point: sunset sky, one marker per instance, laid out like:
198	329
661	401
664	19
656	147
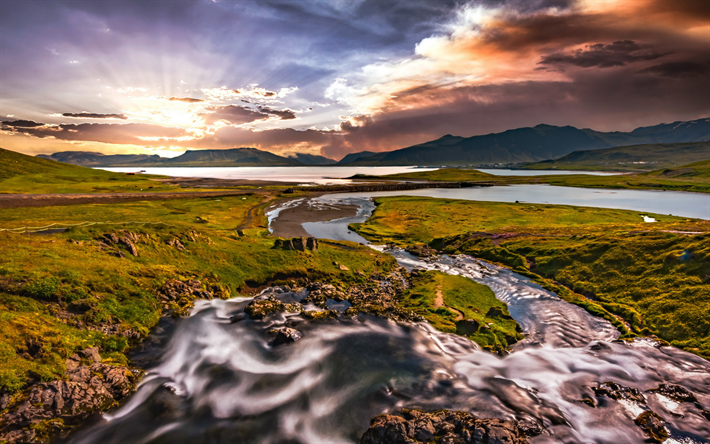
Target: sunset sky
337	76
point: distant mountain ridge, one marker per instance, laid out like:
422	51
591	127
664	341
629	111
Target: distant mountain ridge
541	142
312	159
644	157
192	158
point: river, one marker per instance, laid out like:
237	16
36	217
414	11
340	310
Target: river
219	380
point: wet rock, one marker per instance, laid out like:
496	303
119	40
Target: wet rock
421	250
530	427
177	244
706	414
284	335
325	314
442	426
675	392
652	425
617	392
264	306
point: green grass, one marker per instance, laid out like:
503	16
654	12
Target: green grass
408	219
654	157
493	329
43	276
694	177
657	281
27	174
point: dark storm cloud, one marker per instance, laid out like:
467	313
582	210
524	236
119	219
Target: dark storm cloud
130	133
678	69
285	114
94	116
185	100
22	123
618	53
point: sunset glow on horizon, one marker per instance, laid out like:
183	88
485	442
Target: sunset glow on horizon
334	77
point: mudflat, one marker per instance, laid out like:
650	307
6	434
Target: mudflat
290	220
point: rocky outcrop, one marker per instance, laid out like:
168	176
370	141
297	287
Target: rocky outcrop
264	305
652	425
443	426
676	393
177	244
298	244
123	238
174	290
91	386
284	335
421	250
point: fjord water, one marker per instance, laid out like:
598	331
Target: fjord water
317	174
219	379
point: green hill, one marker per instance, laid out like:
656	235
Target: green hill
694	171
630	158
235	157
27	174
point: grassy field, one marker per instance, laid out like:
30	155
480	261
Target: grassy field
635	158
694	177
656	279
26	174
451	303
45	277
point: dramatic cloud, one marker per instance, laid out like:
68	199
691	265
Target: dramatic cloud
95	116
185	100
341	76
618	53
678	69
285	114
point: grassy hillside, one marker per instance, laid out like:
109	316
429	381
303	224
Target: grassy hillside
64	292
27	174
685	178
652	276
636	158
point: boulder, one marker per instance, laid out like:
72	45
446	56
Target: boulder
297	243
284	335
263	306
617	392
675	392
442	426
652	425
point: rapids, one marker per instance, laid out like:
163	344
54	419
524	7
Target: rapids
218	379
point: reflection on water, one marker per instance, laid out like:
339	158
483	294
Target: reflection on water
306	174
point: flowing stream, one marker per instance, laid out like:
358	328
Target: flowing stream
219	379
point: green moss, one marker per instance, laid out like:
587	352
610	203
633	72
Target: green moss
455	304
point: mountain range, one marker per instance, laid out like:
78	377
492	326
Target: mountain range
521	145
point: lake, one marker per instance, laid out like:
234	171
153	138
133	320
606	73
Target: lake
694	205
315	174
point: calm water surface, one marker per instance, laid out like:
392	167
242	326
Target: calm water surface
505	172
306	174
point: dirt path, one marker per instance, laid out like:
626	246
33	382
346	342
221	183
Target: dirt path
49	200
439	302
252	212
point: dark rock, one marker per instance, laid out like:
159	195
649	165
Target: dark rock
297	243
706	414
530	427
421	250
174	290
675	392
652	425
284	335
616	391
442	426
497	313
264	306
467	327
